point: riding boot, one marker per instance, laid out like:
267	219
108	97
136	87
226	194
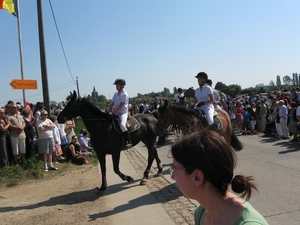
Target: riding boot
128	143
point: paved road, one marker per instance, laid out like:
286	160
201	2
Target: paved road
275	165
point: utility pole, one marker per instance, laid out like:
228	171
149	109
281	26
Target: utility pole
43	57
77	87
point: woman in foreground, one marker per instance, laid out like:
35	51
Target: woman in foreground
203	165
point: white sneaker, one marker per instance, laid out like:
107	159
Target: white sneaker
52	168
61	158
46	169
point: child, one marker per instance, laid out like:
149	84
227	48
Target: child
56	136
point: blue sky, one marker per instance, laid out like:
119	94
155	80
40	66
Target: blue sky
152	44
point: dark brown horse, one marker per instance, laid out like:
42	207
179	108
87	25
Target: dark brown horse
189	121
106	139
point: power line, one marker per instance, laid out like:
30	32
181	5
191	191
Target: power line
61	44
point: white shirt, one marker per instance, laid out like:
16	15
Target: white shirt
122	97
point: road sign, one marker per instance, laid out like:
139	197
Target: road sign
23	84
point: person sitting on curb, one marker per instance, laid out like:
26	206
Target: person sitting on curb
74	153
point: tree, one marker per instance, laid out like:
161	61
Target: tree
295	79
166	91
272	83
220	86
234	89
278	81
101	98
287	80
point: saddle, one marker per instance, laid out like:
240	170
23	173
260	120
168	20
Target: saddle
218	125
131	124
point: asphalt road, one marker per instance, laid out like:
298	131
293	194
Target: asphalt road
275	165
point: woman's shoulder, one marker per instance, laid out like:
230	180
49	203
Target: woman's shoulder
250	215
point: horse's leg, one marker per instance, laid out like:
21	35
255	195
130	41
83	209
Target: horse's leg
101	158
158	162
152	154
116	161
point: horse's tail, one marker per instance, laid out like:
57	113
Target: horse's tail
235	142
162	139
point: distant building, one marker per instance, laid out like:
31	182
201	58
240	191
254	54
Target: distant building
94	93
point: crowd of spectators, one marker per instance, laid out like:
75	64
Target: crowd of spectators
26	131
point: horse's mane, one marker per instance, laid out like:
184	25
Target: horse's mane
183	109
94	109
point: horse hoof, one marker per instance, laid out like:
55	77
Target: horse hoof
143	182
103	188
159	175
130	179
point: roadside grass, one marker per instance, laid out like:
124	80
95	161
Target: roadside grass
33	168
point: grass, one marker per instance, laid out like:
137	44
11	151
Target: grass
33	168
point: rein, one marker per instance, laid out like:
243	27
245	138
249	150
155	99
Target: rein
165	122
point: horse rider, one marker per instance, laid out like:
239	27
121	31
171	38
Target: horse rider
204	98
119	107
179	97
216	95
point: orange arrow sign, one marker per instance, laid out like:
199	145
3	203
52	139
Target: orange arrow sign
23	84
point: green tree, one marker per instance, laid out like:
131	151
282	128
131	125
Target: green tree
220	86
234	89
287	80
278	81
272	83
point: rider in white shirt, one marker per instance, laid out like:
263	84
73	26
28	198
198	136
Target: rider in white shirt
204	98
119	106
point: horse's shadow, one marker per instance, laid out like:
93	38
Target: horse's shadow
142	201
71	198
94	194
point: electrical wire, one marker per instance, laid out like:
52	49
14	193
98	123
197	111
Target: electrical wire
61	44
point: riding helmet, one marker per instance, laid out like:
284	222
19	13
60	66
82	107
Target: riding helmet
201	75
120	81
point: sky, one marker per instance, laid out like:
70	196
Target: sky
153	45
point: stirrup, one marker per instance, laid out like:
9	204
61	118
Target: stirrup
128	145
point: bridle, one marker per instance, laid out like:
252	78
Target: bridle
162	126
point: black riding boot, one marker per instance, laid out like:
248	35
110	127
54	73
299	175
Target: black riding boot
128	143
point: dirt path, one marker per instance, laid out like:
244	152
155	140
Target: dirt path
64	199
72	197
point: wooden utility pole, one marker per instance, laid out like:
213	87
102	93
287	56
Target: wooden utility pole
43	57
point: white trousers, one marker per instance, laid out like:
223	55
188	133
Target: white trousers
209	112
123	119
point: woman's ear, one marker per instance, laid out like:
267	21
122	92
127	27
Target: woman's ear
198	177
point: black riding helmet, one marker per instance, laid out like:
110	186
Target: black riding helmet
202	75
120	81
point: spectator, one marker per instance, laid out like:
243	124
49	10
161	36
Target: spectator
203	168
239	117
84	143
4	125
283	113
292	121
29	131
57	154
61	127
69	129
16	133
263	116
252	115
44	128
74	153
277	120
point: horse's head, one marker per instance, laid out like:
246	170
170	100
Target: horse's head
70	111
164	119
